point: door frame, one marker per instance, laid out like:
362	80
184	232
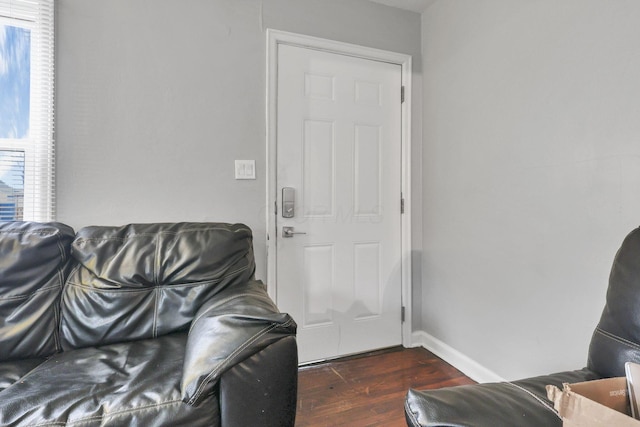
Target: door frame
276	38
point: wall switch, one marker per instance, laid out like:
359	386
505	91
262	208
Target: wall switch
245	169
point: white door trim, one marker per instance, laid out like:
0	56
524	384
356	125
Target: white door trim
274	39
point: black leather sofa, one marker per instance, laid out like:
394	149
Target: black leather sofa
140	325
524	403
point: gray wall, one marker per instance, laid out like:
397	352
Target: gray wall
531	165
156	98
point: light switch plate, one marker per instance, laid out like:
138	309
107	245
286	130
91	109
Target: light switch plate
245	169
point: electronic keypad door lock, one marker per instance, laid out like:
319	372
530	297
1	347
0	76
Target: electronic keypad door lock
288	202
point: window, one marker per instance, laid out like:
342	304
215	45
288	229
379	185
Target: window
26	110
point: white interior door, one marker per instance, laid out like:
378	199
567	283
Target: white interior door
339	154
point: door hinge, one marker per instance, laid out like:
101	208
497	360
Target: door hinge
402	205
401	94
402	314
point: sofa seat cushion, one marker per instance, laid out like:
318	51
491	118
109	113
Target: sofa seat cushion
136	383
520	403
13	370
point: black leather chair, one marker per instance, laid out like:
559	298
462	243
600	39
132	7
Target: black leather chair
524	403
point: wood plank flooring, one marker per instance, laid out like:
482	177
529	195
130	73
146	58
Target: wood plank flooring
369	390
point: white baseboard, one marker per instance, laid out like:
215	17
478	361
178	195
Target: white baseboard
460	361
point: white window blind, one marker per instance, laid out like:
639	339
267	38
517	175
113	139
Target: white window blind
27	110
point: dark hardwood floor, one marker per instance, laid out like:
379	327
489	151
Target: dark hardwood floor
369	390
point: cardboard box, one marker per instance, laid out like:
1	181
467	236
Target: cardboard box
593	403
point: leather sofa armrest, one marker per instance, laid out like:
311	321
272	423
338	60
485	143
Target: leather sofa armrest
233	325
521	403
262	390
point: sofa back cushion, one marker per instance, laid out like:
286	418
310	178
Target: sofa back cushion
616	339
34	260
144	280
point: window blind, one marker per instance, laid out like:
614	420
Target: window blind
27	168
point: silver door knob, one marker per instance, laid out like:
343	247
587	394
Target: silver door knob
288	232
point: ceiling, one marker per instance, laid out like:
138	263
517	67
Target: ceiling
413	5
